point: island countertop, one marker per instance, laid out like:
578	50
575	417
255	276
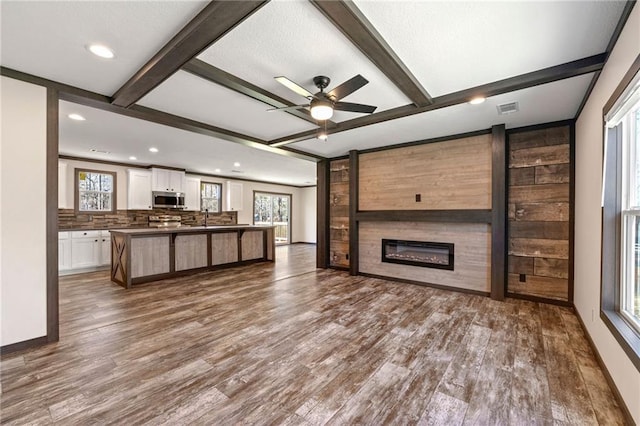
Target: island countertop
188	229
141	255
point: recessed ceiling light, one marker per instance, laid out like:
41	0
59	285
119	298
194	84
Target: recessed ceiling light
477	101
153	149
236	164
132	158
217	170
101	50
76	117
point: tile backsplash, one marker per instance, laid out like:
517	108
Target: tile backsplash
68	219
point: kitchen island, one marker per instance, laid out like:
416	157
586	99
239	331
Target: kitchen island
148	254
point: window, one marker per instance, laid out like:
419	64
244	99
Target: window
273	209
630	274
95	191
210	196
620	300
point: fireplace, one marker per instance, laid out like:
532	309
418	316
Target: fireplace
418	253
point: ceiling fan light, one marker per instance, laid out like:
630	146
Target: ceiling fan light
321	110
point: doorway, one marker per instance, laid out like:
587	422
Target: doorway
273	209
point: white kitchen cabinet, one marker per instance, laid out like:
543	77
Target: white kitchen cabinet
138	189
105	248
234	196
192	193
85	249
168	180
64	251
63	202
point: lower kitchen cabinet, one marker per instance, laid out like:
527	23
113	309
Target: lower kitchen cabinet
80	250
64	251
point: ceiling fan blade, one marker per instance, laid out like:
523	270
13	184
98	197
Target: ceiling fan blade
347	88
294	86
351	107
289	108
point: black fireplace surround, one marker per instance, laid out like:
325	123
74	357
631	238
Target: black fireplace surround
418	253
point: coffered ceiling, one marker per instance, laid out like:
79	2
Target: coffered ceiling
197	78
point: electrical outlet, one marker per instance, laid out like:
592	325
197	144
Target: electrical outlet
418	198
523	278
347	256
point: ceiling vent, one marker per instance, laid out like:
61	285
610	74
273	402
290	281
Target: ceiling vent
508	108
237	171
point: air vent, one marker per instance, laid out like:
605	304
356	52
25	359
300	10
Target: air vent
99	151
508	108
237	171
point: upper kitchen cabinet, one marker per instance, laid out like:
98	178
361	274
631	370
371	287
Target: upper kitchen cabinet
63	199
139	189
192	193
168	180
234	196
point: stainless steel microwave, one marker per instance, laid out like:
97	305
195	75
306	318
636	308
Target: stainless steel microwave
168	200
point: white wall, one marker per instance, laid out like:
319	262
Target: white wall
589	146
303	215
23	245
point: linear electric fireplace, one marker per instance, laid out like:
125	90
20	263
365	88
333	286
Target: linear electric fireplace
418	253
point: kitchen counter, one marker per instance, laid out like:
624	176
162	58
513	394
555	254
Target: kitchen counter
141	255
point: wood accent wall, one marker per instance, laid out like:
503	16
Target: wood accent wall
472	263
539	212
339	213
448	175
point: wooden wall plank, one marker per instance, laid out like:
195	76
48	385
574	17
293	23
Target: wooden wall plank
552	173
551	288
541	137
546	230
533	247
448	175
552	193
557	268
520	265
554	154
522	176
554	212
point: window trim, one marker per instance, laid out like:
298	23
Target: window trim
290	224
610	286
219	199
76	183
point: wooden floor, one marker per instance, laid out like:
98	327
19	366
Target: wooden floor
293	345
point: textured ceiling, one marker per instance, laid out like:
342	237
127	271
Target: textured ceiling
447	46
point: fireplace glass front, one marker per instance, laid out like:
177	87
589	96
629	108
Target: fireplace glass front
418	253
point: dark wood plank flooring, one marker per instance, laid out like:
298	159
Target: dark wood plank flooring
289	344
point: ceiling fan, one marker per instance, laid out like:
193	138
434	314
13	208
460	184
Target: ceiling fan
323	104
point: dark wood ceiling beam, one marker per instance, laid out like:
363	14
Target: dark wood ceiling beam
214	21
547	75
357	28
216	75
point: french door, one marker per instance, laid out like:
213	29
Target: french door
273	209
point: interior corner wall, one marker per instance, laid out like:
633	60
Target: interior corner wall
23	245
589	148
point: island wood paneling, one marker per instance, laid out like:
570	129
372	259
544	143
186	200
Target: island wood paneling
151	256
539	212
472	245
449	175
224	248
252	245
339	213
190	251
